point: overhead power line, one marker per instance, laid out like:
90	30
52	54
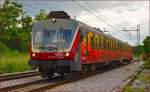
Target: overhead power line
31	8
94	15
117	11
95	10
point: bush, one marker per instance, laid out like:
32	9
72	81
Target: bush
3	48
14	62
147	63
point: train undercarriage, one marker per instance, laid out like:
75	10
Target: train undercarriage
49	68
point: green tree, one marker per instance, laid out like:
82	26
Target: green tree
138	50
9	21
41	16
15	26
26	23
146	46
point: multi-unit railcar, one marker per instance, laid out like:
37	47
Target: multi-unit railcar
60	44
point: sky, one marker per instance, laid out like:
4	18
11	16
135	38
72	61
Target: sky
112	16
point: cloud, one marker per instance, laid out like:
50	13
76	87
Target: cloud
134	12
134	15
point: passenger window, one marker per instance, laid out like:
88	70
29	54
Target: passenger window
90	40
106	43
100	41
96	41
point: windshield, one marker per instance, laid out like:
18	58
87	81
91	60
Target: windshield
53	40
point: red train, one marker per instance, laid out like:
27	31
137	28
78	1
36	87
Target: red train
61	45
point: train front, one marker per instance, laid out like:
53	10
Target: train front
52	44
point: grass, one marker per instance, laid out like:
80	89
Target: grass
130	89
14	62
142	79
147	64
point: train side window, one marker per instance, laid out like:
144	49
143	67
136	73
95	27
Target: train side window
113	45
96	42
104	43
109	44
117	46
100	42
91	40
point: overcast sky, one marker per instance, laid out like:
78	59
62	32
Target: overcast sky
118	14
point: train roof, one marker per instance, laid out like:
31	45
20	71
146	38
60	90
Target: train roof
88	28
97	30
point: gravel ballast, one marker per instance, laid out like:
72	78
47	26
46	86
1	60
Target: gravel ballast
109	81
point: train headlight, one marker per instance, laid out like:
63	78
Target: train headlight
53	20
67	54
33	54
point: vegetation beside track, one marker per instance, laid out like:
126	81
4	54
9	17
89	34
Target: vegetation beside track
15	28
14	62
147	63
142	82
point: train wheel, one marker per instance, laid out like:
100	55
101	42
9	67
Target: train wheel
93	67
49	75
63	75
84	69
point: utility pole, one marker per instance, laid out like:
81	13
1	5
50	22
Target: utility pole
105	30
74	17
138	33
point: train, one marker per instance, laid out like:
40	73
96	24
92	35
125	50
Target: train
62	45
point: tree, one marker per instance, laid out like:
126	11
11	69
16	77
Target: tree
41	16
15	26
26	23
138	50
146	46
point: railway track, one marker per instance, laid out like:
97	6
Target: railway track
18	75
43	84
132	79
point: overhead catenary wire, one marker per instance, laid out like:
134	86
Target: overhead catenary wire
84	1
105	18
95	15
31	8
98	12
117	11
